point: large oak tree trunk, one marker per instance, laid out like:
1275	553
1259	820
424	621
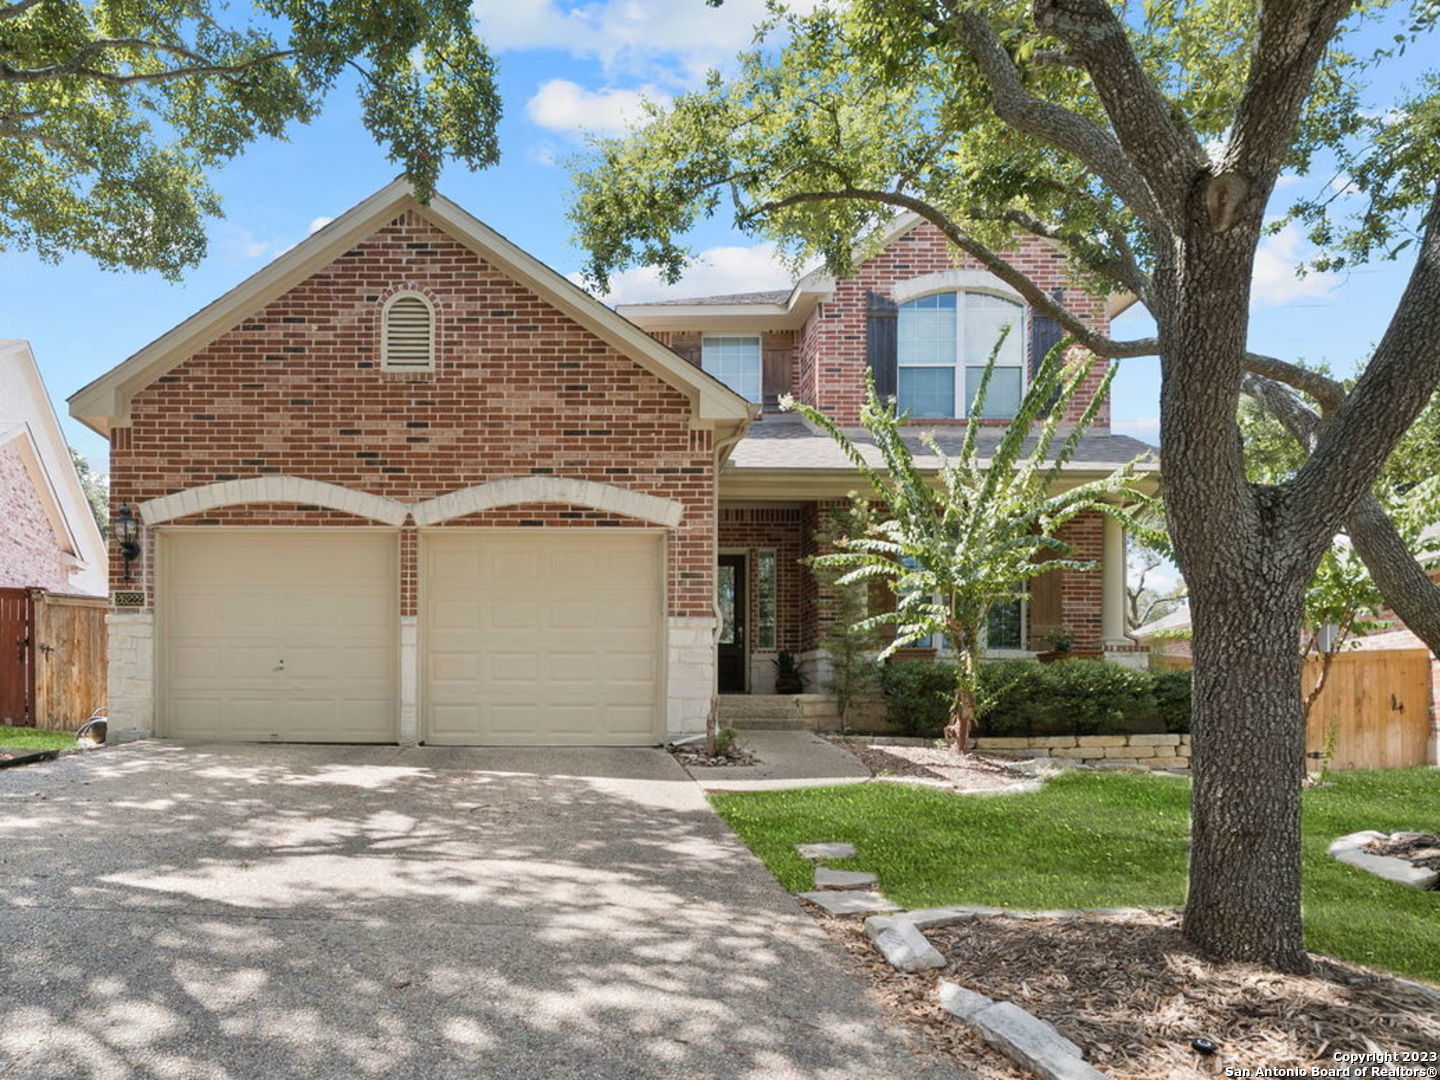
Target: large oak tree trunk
1248	742
1247	568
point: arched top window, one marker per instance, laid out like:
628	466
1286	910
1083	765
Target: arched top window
944	341
407	336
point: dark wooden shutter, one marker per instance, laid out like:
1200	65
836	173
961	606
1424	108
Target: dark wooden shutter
1045	333
880	349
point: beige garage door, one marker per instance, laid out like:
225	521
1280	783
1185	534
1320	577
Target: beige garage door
279	634
543	637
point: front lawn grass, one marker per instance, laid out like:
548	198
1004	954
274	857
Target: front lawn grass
29	738
1101	840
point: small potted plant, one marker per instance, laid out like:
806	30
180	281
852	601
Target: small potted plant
789	679
1060	645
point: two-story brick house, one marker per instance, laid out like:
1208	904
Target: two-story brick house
409	484
924	325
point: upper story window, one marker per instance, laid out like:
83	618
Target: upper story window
735	361
943	343
407	336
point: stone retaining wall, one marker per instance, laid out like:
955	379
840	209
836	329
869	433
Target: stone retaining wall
1147	751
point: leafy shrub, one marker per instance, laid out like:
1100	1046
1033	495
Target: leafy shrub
1023	698
918	695
1172	700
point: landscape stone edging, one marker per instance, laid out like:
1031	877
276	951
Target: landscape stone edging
1024	1038
1350	849
1145	751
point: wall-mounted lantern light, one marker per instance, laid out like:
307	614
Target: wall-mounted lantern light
127	531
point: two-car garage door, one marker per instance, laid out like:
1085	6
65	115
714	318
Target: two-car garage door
540	637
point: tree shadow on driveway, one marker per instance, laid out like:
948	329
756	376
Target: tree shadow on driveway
302	911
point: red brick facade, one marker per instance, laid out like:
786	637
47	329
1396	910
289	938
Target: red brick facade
30	553
519	389
831	365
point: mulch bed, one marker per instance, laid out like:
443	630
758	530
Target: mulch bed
1133	994
1421	849
933	763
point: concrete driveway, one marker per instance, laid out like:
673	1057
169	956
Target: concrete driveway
221	912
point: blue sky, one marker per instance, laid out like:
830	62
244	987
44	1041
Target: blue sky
563	68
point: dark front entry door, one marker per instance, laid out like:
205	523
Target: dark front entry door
730	593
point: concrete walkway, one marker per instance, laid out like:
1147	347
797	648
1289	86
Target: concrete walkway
787	759
237	912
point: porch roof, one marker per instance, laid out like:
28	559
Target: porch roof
788	443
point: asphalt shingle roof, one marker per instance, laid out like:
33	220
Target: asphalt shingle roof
787	442
772	296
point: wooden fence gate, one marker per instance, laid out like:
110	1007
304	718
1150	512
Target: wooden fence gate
52	658
1375	706
16	615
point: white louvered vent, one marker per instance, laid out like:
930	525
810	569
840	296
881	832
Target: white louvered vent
409	334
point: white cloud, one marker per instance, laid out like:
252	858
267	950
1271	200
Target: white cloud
561	105
685	37
244	244
317	224
1145	428
716	271
1275	281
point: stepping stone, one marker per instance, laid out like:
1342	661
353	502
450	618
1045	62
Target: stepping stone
826	878
1031	1043
826	851
850	901
960	1002
908	949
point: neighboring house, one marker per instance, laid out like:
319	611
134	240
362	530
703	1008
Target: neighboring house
407	483
48	536
1168	636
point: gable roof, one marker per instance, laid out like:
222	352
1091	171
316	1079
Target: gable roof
28	422
105	403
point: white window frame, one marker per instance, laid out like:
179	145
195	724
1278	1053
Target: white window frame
386	364
759	360
760	554
960	410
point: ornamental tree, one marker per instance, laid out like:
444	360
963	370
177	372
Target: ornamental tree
1147	142
950	550
111	113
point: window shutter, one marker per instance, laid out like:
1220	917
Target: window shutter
1045	334
880	343
409	334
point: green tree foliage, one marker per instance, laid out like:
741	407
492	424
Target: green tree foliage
112	112
96	488
952	550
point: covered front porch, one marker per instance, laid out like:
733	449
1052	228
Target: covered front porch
771	603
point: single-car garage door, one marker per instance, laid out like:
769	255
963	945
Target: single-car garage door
546	636
279	634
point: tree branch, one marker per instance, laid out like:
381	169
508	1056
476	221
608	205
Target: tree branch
1291	41
78	65
1077	135
1396	385
1120	265
14	11
54	142
1033	295
1397	574
1163	149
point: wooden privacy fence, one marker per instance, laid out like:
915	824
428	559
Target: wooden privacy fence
54	659
1376	706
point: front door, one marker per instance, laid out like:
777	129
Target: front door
730	595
